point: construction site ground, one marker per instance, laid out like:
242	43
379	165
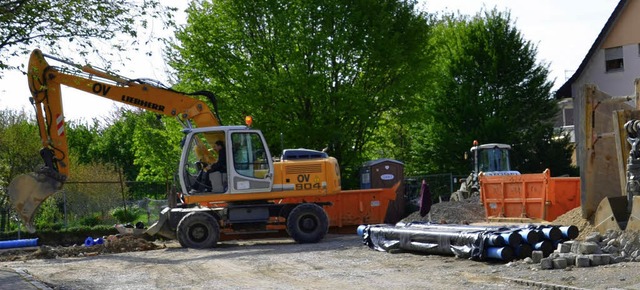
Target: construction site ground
340	261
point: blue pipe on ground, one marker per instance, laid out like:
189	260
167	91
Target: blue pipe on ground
19	243
500	253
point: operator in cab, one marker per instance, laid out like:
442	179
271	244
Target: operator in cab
211	177
218	170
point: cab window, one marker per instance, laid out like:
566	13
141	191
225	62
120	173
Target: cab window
249	155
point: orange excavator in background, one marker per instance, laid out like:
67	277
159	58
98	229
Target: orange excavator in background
256	194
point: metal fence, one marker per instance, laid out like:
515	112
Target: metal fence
91	203
440	185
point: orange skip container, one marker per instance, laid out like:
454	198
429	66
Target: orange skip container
533	196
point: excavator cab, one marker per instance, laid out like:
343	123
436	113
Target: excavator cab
247	168
490	159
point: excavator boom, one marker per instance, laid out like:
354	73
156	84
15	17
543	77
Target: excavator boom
28	191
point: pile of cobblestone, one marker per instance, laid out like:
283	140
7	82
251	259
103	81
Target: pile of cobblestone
594	250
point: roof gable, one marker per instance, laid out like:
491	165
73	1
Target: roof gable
565	90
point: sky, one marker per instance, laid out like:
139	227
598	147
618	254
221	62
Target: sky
562	30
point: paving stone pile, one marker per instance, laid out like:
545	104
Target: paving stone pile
594	250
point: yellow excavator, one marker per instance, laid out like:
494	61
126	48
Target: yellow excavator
255	194
608	158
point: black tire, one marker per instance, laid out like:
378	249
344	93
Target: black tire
199	230
307	223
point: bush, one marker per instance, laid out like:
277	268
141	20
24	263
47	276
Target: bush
129	215
90	221
48	215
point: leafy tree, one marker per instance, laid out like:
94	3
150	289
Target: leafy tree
140	146
85	24
115	143
491	89
157	147
314	74
81	138
19	146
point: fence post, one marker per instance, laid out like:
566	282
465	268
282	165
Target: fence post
451	180
124	201
64	206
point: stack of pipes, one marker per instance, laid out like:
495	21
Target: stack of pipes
503	243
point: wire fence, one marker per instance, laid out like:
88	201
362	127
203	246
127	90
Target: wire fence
91	203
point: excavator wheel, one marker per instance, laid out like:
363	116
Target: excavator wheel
198	230
307	223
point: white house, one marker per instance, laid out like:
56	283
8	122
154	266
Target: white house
612	63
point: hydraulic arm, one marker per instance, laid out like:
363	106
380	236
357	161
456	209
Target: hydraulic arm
29	190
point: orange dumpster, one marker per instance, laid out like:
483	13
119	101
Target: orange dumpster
532	196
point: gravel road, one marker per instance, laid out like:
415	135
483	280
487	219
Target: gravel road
337	262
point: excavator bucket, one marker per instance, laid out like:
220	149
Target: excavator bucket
613	214
634	216
28	191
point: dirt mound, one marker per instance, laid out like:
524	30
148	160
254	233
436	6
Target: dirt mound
472	211
112	244
452	212
574	218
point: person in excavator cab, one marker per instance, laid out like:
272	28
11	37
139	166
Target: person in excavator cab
211	177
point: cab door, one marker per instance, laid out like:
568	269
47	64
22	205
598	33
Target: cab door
250	168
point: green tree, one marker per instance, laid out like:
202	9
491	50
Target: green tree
19	145
81	138
314	74
491	88
140	146
85	24
96	198
157	147
114	145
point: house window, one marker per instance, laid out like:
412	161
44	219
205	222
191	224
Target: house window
613	59
567	116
